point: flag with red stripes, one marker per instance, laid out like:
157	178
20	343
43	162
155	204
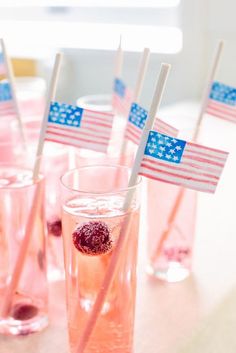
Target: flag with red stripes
2	65
182	163
122	97
136	122
222	102
7	106
75	126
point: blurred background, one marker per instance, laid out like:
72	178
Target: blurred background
181	32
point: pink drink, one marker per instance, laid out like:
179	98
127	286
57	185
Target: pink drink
28	311
170	245
86	264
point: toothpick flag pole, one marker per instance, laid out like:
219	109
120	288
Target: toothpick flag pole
180	196
119	60
141	74
11	79
20	261
112	267
207	90
50	97
138	87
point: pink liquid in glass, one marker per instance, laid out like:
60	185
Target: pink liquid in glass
28	311
85	272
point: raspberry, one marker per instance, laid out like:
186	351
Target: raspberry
92	238
54	227
24	311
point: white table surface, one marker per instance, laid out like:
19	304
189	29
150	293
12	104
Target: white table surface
197	315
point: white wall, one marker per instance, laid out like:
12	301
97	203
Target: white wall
91	71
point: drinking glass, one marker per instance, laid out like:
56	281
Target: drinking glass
27	308
92	221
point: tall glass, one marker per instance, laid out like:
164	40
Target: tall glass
27	311
92	218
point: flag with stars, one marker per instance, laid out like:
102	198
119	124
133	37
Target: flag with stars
122	97
222	102
2	65
7	106
75	126
182	163
136	122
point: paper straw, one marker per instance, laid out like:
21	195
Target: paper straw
50	97
109	275
11	79
20	261
180	195
138	88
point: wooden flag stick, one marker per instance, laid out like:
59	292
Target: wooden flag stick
181	193
138	88
116	253
207	90
20	261
50	97
119	60
11	79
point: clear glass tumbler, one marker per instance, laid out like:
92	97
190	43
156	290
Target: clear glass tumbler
92	220
22	212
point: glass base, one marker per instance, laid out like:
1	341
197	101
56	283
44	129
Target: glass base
11	326
175	272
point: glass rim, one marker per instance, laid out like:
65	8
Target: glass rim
119	190
40	179
101	102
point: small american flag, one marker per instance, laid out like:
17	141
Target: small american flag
2	65
122	97
222	102
181	163
6	102
136	122
75	126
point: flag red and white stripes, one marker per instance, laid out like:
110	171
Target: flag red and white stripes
134	133
79	127
200	167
